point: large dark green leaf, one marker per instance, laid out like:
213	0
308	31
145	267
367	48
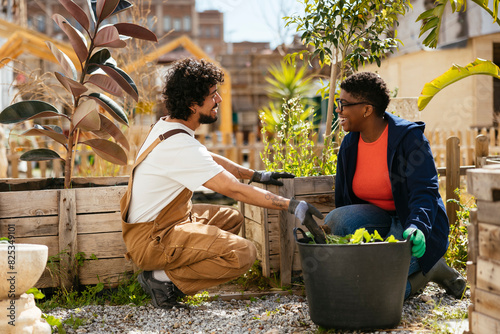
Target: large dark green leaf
100	57
136	31
25	110
455	73
77	12
40	154
108	150
110	106
122	79
39	130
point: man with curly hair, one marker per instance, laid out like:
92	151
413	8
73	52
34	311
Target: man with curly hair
184	248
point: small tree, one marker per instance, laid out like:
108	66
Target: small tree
88	124
346	34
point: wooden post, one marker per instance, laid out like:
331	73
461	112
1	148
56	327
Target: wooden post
251	151
452	176
482	150
287	245
239	148
67	237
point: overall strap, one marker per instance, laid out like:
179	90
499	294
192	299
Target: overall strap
125	201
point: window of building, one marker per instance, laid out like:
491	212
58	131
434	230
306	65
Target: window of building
187	23
209	48
167	23
40	22
208	32
216	31
177	24
151	22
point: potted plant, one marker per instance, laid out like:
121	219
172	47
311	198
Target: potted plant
72	220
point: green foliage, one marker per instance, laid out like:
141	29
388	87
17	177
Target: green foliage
253	277
53	321
37	294
285	83
456	256
360	236
88	124
455	73
197	299
352	32
293	149
431	23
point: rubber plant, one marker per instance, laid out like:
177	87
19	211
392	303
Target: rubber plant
88	119
431	23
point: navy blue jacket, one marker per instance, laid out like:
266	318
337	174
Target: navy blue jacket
414	183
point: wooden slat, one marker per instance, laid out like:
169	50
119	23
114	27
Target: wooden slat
31	226
488	212
29	203
99	223
287	244
483	183
482	324
487	303
67	236
471	278
254	212
105	199
488	275
254	234
109	271
473	247
102	245
489	241
47	281
313	185
323	202
52	242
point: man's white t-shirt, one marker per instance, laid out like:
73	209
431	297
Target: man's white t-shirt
177	163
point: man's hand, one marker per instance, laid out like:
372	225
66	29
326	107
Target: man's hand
270	177
418	239
304	212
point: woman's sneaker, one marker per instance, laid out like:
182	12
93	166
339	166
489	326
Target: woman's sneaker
163	294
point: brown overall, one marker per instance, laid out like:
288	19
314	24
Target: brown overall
196	245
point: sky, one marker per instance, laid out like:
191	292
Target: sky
254	20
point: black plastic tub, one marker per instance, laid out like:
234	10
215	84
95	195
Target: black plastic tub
355	286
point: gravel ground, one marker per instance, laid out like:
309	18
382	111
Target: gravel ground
429	312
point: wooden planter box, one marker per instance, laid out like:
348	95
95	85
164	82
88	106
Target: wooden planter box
483	265
272	230
83	219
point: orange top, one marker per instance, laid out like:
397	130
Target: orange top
371	180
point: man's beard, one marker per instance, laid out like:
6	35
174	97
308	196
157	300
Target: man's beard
208	119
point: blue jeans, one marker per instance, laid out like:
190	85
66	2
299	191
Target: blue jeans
347	219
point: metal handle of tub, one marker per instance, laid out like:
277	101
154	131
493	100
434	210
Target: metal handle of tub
305	237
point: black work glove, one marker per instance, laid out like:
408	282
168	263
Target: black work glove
304	212
270	177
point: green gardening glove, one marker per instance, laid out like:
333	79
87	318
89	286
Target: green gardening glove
418	239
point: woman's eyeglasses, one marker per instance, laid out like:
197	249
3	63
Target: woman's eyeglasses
341	104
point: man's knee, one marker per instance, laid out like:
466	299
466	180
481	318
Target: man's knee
246	253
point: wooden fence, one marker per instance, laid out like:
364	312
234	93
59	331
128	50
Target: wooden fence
247	152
